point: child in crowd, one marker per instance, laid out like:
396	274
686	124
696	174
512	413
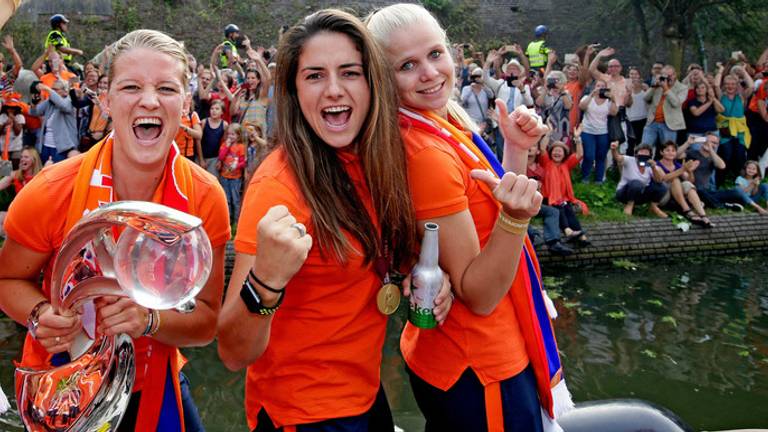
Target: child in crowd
231	164
749	184
214	129
557	162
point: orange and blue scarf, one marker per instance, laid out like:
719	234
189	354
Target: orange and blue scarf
532	307
160	404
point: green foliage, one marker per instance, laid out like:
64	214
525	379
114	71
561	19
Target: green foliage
625	264
458	18
735	25
669	320
617	315
655	302
649	353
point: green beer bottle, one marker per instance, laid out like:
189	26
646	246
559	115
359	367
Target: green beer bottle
426	280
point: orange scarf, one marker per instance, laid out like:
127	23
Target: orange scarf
93	188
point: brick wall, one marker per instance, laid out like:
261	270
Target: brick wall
655	239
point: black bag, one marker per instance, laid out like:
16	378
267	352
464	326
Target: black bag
615	133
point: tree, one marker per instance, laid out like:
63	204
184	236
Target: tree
679	16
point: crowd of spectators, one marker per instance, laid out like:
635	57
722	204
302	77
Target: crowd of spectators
680	141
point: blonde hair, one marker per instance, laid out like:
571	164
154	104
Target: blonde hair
153	40
391	19
559	75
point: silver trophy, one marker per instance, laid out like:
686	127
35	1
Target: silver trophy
161	260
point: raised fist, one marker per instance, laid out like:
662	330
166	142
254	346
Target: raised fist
521	129
283	246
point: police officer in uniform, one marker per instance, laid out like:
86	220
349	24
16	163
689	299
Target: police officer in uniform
229	54
58	38
537	50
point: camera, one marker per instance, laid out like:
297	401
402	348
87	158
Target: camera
465	46
604	93
663	78
511	79
551	83
643	160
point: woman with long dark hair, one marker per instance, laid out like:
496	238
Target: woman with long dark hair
326	220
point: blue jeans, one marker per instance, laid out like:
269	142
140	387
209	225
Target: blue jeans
462	407
551	217
192	421
595	151
50	152
715	198
656	134
734	154
747	199
232	189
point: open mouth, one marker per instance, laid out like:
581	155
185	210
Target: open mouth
337	117
147	128
432	90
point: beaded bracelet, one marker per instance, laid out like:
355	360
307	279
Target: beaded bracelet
512	225
150	322
156	322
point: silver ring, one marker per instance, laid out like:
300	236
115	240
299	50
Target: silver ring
300	228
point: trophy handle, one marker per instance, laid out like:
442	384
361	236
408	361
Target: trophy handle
92	391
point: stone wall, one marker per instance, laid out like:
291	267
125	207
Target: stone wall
658	239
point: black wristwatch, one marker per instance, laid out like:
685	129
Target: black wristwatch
33	321
252	299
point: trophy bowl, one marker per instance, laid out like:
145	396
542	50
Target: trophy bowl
161	260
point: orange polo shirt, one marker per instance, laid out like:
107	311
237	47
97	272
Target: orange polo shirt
326	340
37	216
492	345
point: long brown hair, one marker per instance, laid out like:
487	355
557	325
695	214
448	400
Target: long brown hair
325	184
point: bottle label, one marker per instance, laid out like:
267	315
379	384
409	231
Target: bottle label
421	317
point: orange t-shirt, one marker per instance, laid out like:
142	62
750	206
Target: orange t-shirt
184	140
232	160
492	345
50	79
659	114
760	95
575	89
37	216
325	346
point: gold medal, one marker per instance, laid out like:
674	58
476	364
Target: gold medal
388	298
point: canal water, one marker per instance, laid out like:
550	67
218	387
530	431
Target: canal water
691	336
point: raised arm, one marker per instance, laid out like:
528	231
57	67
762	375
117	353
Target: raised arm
615	153
596	74
17	62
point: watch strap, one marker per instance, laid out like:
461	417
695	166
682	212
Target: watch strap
252	300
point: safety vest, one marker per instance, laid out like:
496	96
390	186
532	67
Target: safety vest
64	42
223	60
537	54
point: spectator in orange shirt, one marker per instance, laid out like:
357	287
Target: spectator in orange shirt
137	162
304	318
